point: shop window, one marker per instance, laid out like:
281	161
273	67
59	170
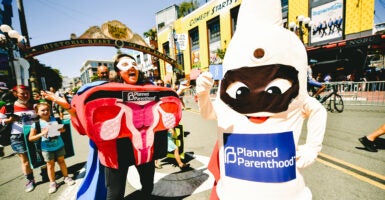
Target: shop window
166	48
214	30
180	59
234	19
194	38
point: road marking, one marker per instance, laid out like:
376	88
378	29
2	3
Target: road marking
360	173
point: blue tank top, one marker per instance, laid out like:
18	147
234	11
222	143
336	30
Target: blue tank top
52	143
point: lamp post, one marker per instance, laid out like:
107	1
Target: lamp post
304	24
8	41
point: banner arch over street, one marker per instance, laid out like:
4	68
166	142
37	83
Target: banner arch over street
74	43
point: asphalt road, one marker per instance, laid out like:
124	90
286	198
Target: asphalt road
342	171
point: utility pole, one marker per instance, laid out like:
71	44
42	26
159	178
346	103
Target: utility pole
23	22
24	31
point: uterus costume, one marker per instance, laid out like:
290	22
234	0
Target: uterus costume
113	110
261	105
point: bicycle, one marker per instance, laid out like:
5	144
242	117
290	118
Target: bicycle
332	100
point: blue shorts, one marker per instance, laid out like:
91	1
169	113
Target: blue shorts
18	143
314	83
51	155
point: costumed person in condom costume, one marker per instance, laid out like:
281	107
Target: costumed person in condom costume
260	107
123	121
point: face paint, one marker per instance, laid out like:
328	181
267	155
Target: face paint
126	63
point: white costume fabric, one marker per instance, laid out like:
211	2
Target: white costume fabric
261	105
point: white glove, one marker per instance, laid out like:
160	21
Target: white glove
204	82
306	156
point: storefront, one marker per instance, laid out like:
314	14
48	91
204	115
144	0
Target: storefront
347	56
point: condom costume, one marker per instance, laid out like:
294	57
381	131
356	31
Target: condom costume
110	111
260	107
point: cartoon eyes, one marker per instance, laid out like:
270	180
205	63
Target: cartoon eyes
237	90
278	86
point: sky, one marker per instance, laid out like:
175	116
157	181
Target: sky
55	20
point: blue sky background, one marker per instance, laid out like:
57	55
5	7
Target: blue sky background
54	20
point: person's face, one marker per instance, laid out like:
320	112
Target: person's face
160	83
36	96
22	94
43	111
128	70
103	72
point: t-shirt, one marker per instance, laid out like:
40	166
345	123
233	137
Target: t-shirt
52	143
27	116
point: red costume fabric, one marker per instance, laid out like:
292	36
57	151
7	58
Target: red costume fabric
114	110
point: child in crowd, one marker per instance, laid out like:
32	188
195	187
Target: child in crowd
52	145
171	147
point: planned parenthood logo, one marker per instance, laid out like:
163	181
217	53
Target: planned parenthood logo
140	96
260	157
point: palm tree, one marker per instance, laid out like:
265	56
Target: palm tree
152	34
187	7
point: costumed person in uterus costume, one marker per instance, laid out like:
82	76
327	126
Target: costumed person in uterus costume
123	120
261	105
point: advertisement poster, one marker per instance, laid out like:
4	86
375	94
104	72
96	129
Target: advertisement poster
196	62
214	58
327	22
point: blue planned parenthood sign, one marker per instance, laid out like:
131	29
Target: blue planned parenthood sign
268	158
216	71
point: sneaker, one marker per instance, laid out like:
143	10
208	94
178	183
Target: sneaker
30	186
184	166
52	187
369	145
69	180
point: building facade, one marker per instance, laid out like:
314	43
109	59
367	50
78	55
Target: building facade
14	69
90	67
199	40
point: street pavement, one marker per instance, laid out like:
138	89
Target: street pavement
342	171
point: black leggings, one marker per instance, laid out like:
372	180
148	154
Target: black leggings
116	178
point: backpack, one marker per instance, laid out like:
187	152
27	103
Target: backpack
5	131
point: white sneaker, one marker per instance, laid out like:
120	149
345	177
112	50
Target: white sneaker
69	180
30	186
52	187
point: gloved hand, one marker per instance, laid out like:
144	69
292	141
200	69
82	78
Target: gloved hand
204	82
305	156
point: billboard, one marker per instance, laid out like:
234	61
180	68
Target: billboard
327	22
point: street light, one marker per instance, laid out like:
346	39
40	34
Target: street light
8	41
304	24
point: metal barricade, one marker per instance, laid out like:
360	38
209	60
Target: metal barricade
362	93
353	93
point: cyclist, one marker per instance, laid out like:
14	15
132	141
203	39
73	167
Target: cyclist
314	83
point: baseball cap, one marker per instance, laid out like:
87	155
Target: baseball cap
3	86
